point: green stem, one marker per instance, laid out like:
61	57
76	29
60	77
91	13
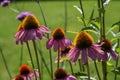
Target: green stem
21	55
27	44
5	64
50	52
71	67
37	59
88	70
43	59
97	70
104	67
80	65
58	57
65	16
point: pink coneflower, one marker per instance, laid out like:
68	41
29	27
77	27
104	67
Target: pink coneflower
19	77
84	45
107	48
22	15
5	3
63	53
58	40
30	29
61	74
26	73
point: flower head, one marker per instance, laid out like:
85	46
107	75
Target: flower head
63	53
5	3
19	77
107	48
61	74
22	15
30	29
58	40
84	45
25	70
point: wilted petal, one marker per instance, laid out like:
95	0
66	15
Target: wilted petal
55	44
105	56
49	43
84	56
61	42
67	42
113	54
73	54
92	54
44	29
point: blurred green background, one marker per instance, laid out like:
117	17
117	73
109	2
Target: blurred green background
54	14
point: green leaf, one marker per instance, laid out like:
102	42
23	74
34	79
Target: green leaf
91	17
64	58
91	29
109	64
112	28
78	8
78	74
117	50
106	3
81	20
96	24
116	70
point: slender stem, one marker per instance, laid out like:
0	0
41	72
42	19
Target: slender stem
6	65
88	70
27	44
58	57
116	65
71	67
104	67
97	70
21	55
81	6
50	52
80	66
37	59
83	15
43	59
65	16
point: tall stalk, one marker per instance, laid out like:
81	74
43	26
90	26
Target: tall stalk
116	65
27	44
102	33
66	16
6	66
50	52
37	58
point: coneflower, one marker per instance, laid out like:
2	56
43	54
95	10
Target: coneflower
84	45
107	48
58	40
30	29
5	3
61	74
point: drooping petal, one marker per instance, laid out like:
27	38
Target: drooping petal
55	44
39	34
73	55
70	77
67	42
49	43
92	54
44	29
61	43
84	56
113	54
105	56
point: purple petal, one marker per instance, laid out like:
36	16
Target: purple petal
73	54
44	29
105	56
49	43
61	43
67	42
39	34
84	56
113	54
91	54
55	44
70	77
